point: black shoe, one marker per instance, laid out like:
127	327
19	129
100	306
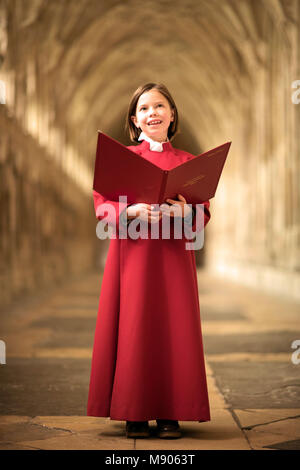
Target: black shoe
168	429
137	429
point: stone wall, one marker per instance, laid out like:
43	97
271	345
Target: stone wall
46	221
70	69
257	236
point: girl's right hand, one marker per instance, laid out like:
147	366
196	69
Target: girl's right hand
144	212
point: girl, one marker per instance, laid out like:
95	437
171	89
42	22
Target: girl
148	361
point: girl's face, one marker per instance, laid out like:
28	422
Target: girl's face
153	115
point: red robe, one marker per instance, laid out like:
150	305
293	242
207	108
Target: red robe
148	360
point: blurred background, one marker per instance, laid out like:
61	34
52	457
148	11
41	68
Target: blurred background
68	68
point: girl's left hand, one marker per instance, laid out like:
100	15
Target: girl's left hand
178	208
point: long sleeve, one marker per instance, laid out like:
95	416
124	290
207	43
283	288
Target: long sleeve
111	211
190	218
123	219
207	215
191	221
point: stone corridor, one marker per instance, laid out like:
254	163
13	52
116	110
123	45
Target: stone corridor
253	381
68	69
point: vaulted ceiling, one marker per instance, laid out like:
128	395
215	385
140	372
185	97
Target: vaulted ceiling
80	61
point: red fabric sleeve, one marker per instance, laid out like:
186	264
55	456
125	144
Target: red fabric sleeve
198	208
198	211
111	216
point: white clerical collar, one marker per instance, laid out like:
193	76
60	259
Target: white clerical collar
155	146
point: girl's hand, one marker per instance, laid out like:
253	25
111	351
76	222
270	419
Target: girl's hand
144	212
179	208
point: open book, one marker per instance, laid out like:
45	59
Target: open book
119	171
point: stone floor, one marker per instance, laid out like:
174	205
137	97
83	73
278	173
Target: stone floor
254	386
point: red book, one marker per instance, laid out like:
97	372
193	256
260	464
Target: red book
119	171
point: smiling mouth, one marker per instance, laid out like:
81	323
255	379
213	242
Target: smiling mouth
154	123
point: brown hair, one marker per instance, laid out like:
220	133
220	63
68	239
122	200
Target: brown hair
130	127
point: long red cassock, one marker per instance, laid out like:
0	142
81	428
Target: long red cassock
148	360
